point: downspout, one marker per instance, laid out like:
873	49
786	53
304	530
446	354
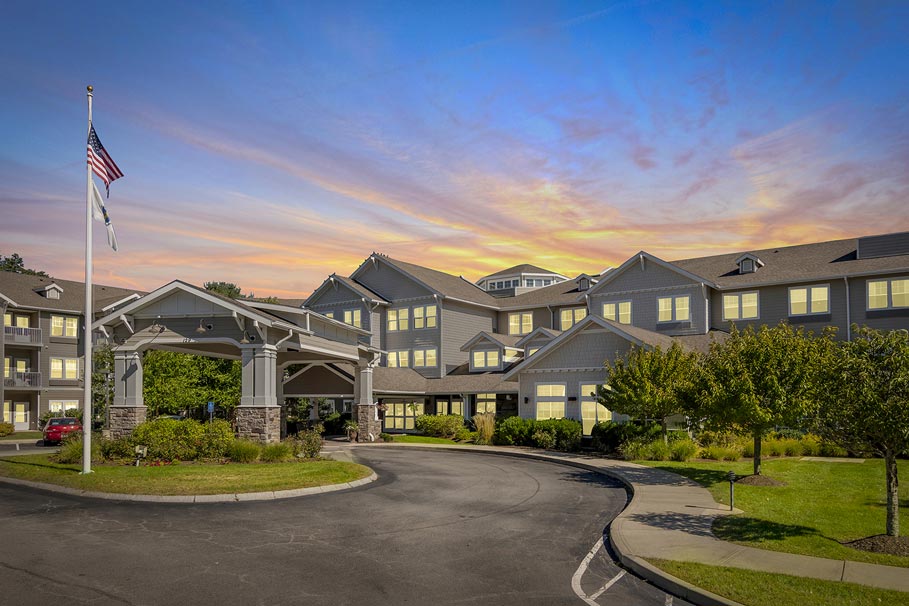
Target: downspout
706	308
441	358
3	308
848	311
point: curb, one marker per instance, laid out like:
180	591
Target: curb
639	566
202	498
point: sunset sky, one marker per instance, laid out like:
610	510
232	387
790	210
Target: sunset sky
272	143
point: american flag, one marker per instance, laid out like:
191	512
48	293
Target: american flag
102	164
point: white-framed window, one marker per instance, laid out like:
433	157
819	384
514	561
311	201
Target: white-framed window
741	306
618	312
401	415
520	323
570	317
64	368
807	300
23	321
64	326
425	358
486	402
61	406
352	317
486	359
592	412
674	309
330	315
399	359
550	400
425	316
7	319
889	293
398	319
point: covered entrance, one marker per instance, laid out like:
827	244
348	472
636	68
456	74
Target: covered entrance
16	413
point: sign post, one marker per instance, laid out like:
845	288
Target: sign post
211	411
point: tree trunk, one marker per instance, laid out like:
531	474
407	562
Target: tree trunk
757	454
665	431
893	503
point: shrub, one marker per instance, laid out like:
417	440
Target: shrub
682	450
638	449
115	450
513	431
217	436
6	429
169	439
440	426
747	449
811	445
277	452
334	423
827	449
717	438
521	432
486	427
773	448
244	451
71	448
464	435
567	433
721	453
310	443
792	448
543	439
387	437
608	436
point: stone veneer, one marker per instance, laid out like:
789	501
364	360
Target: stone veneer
260	424
123	419
368	423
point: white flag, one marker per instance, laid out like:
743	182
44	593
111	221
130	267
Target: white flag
100	214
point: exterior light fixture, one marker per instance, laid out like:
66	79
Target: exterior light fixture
247	338
203	328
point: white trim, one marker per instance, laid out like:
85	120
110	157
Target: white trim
642	256
808	313
131	297
618	313
125	319
674	309
739	295
890	305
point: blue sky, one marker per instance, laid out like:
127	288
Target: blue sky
270	144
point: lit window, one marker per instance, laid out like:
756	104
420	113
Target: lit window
592	412
352	317
425	316
570	317
401	415
22	322
742	306
888	294
62	326
61	406
424	358
618	312
486	359
330	315
486	403
532	351
520	323
673	309
398	359
550	400
7	319
807	300
64	368
398	319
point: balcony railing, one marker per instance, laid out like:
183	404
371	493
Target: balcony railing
23	379
15	334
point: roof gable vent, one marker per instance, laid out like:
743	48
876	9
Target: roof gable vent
51	291
887	245
748	263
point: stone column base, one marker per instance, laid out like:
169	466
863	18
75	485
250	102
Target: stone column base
259	423
124	419
369	424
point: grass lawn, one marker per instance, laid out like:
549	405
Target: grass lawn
23	435
184	479
821	505
754	588
410	439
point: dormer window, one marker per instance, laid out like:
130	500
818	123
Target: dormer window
748	264
51	291
584	284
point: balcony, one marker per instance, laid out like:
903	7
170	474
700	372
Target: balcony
22	379
22	336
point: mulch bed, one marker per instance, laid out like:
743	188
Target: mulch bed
759	481
882	543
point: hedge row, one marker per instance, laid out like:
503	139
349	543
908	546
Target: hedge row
558	434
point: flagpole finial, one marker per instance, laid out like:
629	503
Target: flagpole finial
89	88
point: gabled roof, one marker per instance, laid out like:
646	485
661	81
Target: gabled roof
524	268
334	280
537	333
23	290
640	257
510	341
554	295
407	381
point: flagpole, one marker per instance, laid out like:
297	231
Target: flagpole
87	337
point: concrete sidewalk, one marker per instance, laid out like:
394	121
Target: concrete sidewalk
670	517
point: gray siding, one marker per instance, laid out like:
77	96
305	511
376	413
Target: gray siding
461	323
890	319
541	318
317	380
635	278
572	380
416	338
389	282
644	310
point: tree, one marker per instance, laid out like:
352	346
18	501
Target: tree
649	383
176	382
864	406
102	386
226	289
757	380
16	264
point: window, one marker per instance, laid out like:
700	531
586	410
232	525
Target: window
806	300
352	317
532	351
424	317
741	306
486	359
61	406
618	312
570	317
22	322
424	358
401	415
892	293
330	315
399	359
550	400
673	309
7	319
64	327
64	368
398	319
592	412
486	402
520	323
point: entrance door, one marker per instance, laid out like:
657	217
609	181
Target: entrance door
7	412
20	416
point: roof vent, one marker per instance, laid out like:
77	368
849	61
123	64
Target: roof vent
887	245
748	263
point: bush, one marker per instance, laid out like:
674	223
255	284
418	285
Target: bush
521	432
811	445
116	450
717	438
310	443
773	448
828	449
464	435
639	450
721	453
387	437
682	450
543	439
792	448
609	436
567	433
513	431
440	426
486	427
6	429
748	449
334	423
169	439
277	452
217	436
71	449
244	451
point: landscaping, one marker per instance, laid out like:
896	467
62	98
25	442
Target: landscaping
21	435
413	439
754	588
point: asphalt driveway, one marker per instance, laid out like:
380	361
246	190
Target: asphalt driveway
436	528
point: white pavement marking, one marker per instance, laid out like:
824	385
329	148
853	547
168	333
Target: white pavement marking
668	600
579	574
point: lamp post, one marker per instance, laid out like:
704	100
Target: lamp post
731	490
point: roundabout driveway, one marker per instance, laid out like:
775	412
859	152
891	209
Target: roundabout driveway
436	528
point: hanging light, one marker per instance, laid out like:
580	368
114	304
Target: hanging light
203	328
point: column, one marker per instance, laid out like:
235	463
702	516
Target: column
366	413
259	416
128	409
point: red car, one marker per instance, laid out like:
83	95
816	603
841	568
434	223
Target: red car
58	428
